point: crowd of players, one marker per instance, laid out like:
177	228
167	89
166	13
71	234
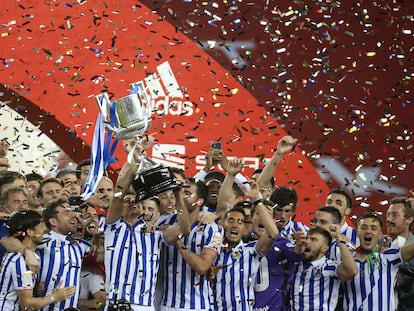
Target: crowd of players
218	242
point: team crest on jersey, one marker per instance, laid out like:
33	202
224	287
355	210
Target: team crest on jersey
235	254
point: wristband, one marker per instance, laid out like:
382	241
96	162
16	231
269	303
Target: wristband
257	202
52	299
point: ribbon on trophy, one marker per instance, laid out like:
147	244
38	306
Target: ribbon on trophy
129	117
102	149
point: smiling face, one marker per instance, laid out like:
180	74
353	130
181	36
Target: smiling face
64	221
369	233
167	202
234	227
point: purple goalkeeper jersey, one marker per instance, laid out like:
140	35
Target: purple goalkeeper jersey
271	288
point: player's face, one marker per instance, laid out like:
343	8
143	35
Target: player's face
369	233
151	212
213	187
64	221
104	194
315	247
322	220
32	189
167	202
50	191
234	227
283	215
131	208
91	220
397	223
71	183
17	202
339	201
190	198
37	233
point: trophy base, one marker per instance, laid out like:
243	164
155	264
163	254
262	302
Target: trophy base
154	181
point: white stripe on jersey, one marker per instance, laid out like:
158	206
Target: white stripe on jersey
14	275
350	233
183	287
61	260
131	262
233	284
316	286
287	231
373	287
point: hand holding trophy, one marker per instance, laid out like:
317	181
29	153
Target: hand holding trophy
129	119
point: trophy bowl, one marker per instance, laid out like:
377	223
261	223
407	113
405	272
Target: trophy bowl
132	117
154	181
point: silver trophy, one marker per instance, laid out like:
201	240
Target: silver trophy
133	115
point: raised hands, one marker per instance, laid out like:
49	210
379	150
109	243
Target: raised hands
285	145
234	166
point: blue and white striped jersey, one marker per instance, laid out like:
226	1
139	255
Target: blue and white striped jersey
373	287
131	262
14	276
183	287
350	233
315	286
234	282
61	260
288	230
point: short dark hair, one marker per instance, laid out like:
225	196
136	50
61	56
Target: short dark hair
66	172
47	181
178	171
5	194
325	234
235	209
79	166
20	222
373	216
34	176
333	211
345	194
8	177
214	175
50	209
283	196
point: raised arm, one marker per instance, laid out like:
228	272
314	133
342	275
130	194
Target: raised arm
266	240
173	233
348	268
284	146
125	178
223	201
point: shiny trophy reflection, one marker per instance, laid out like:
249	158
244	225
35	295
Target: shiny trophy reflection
133	119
